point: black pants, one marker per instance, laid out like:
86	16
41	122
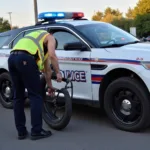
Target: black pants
25	74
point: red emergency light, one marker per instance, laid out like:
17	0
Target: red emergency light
78	15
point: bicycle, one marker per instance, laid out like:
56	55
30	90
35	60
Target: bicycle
49	116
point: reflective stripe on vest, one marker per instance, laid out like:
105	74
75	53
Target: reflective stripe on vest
36	41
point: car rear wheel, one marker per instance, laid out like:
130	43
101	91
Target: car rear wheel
127	104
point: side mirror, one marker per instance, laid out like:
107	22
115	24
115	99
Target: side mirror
75	46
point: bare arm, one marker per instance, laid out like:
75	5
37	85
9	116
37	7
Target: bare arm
50	42
51	50
48	72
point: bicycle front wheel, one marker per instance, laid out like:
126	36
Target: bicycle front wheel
57	111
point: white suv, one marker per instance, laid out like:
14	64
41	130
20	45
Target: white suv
109	67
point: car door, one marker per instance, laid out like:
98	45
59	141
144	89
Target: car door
74	62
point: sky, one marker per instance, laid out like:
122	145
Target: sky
23	10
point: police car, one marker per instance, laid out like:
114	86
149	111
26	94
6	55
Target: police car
109	67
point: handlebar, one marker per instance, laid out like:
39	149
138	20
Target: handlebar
54	77
67	80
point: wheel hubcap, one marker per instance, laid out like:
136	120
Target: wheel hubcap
7	91
126	106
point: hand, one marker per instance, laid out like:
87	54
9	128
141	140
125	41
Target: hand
51	91
59	77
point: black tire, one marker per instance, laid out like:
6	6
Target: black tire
59	124
8	104
47	117
137	95
6	98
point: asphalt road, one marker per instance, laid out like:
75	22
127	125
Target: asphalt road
87	131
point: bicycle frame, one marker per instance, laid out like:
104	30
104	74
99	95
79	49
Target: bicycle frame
53	77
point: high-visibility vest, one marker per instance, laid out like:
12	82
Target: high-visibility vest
33	43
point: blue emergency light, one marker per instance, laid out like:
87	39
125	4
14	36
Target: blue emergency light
60	15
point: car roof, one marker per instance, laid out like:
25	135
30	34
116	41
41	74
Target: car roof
61	23
16	31
81	22
67	23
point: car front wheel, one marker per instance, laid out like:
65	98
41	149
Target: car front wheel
6	92
127	104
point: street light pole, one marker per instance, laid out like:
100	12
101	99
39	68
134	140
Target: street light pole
35	11
10	19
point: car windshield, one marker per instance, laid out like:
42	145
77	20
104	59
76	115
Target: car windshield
3	39
103	34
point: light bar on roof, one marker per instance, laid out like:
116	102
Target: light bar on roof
60	15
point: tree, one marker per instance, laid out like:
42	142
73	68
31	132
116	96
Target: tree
107	11
142	23
142	7
138	17
4	25
108	16
111	14
117	13
123	23
97	16
15	27
129	13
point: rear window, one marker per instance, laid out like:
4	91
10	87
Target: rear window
3	39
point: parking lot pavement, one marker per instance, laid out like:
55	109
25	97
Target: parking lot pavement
86	131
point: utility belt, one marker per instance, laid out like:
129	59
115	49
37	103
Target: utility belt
17	52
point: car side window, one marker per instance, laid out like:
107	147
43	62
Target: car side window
29	31
17	39
3	40
64	37
20	36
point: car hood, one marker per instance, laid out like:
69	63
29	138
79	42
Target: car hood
137	47
131	52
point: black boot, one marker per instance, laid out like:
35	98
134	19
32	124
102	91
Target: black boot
23	135
42	134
